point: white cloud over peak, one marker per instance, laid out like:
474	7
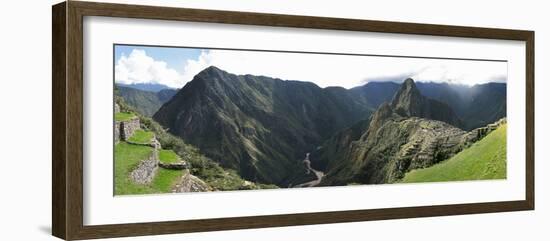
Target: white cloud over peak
322	69
139	68
346	70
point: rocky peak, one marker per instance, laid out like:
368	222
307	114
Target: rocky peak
212	68
210	72
409	83
408	101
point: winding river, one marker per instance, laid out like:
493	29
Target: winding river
318	174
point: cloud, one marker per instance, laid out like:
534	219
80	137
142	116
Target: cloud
345	70
462	71
139	68
390	78
322	69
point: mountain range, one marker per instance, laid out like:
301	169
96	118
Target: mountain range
146	102
412	131
263	127
151	87
476	105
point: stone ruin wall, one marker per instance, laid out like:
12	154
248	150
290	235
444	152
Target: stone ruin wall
125	129
117	131
478	133
147	169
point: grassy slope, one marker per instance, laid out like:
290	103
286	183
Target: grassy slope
127	157
141	136
165	180
122	116
485	159
145	102
168	156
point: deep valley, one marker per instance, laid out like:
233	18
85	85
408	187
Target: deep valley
254	132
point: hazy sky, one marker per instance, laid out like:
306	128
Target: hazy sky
176	66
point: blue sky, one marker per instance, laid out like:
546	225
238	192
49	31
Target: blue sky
174	57
174	67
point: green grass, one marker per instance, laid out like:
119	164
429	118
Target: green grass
123	116
485	159
168	156
165	180
128	157
141	136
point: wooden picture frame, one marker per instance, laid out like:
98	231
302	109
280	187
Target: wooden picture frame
67	150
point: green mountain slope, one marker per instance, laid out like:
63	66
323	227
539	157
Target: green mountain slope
488	104
485	159
145	102
260	126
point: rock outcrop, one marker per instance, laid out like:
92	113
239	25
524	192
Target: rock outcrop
190	183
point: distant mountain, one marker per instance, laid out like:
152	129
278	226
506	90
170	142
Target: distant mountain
146	87
262	127
476	106
166	94
145	102
487	104
412	131
377	92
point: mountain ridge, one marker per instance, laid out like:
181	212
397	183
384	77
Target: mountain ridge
263	127
260	126
145	102
476	105
146	86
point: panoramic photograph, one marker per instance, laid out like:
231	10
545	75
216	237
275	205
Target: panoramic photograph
204	120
